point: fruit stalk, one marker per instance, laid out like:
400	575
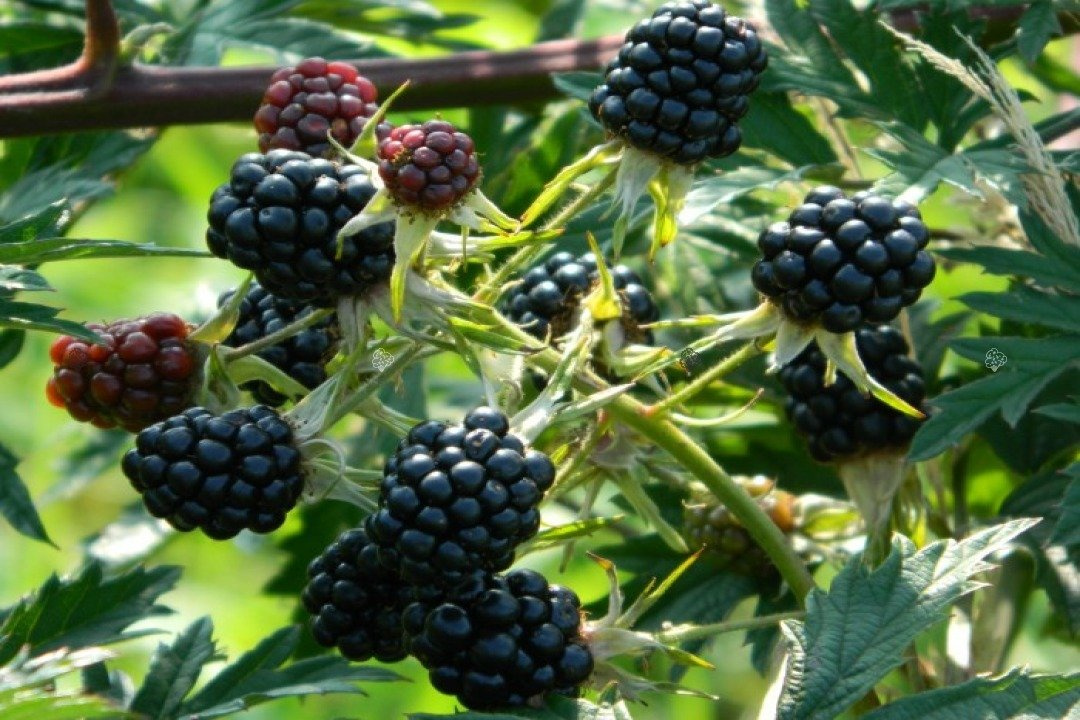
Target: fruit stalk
721	369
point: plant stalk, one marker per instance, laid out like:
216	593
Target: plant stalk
703	381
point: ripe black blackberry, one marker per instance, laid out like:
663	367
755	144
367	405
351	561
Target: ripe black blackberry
681	82
502	641
844	261
221	473
145	371
355	602
304	103
838	421
550	294
302	357
458	498
278	216
710	525
430	167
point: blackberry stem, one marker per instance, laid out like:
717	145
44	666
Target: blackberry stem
293	328
691	456
703	381
494	287
701	632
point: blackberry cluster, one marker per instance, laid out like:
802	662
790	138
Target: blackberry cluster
681	82
305	103
355	602
279	215
500	640
712	526
143	372
302	357
221	473
838	421
845	261
458	498
549	295
430	167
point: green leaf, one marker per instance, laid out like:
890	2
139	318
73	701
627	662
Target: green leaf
174	670
11	344
1037	25
60	248
31	316
1032	363
578	85
14	278
1067	530
1013	696
722	189
561	20
858	631
255	678
1028	306
15	503
1067	412
85	610
773	124
999	261
31	226
61	706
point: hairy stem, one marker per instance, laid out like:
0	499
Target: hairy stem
703	381
701	632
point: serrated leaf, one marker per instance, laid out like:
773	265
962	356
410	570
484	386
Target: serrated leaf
85	610
1067	530
999	261
1037	25
578	85
174	670
11	344
1016	695
60	706
14	278
722	189
1032	364
31	226
774	125
15	503
53	249
31	316
1027	305
857	632
1067	412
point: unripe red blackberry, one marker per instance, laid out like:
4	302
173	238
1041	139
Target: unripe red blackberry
681	82
458	498
355	602
145	371
550	293
304	103
279	215
428	167
838	421
712	526
841	261
221	473
502	641
302	357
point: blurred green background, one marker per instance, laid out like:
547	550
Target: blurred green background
163	200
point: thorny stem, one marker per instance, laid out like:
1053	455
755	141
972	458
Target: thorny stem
494	287
666	435
700	632
703	381
293	328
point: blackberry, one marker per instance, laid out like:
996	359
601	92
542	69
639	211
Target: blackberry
727	543
458	498
221	473
304	103
302	357
502	641
430	167
844	261
278	216
145	371
681	82
355	603
838	421
549	295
